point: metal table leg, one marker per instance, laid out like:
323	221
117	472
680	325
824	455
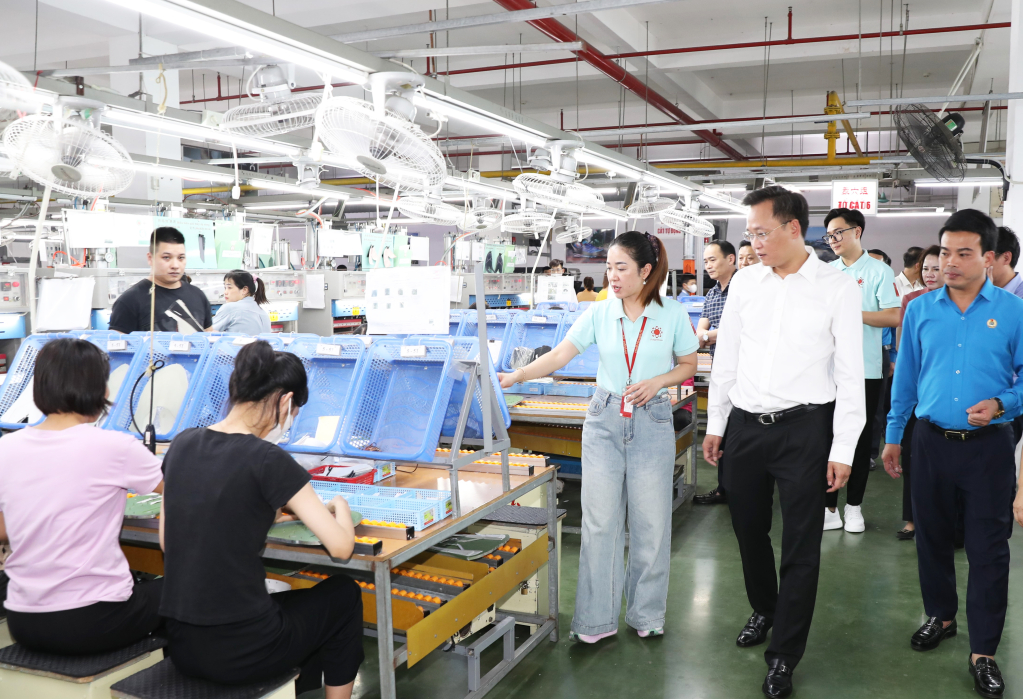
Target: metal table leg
385	632
552	554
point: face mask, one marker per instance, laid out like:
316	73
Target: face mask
278	430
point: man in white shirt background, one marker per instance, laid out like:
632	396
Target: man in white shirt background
786	405
881	306
909	279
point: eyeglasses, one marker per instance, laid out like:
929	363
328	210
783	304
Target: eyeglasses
763	236
836	237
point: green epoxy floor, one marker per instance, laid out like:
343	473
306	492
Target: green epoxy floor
868	605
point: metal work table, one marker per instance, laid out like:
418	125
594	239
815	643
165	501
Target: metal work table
684	486
480	495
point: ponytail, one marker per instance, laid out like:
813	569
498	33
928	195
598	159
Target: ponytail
260	373
245	280
646	249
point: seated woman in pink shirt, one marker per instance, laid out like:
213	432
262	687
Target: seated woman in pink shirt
63	488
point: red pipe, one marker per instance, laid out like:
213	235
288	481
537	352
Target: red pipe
559	32
745	45
228	98
466	154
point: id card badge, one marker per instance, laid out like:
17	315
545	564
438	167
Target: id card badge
626	407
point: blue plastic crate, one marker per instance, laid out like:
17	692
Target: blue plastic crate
166	348
467	348
121	349
571	388
583	305
583	365
528	388
414	506
455	320
399	400
498	323
557	306
210	401
332	365
286	338
20	374
530	329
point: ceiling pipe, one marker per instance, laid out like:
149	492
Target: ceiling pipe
745	45
559	32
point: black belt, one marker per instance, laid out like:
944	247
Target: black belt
964	435
778	416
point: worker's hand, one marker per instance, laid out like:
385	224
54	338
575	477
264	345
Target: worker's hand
508	380
639	393
1017	507
712	449
339	508
982	413
890	458
838	475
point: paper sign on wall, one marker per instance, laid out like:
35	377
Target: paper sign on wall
858	195
411	300
261	238
420	248
550	288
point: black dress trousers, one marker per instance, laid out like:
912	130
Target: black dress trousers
982	472
794	454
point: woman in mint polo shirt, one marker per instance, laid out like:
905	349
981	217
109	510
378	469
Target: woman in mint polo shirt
646	344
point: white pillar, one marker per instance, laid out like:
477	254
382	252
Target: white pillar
1013	217
121	50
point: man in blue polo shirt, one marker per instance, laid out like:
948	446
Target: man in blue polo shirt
881	305
960	348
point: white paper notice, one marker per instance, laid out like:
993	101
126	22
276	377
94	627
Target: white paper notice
338	243
555	289
261	238
420	248
412	300
314	292
462	250
65	304
456	288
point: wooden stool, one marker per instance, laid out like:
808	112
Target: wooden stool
25	673
163	681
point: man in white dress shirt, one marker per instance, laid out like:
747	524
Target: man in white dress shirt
786	405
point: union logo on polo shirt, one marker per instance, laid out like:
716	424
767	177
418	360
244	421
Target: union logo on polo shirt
656	333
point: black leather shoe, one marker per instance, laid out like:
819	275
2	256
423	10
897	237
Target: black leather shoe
928	636
754	632
987	678
778	682
714	497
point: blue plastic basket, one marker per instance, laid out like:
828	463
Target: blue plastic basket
532	330
583	305
121	349
286	338
21	372
191	359
209	403
331	378
455	320
581	366
467	348
498	323
399	401
557	306
414	506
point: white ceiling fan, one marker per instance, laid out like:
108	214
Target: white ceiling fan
648	202
379	139
17	96
278	110
527	220
558	189
686	221
482	217
571	230
429	208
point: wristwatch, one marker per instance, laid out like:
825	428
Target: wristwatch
706	337
1001	408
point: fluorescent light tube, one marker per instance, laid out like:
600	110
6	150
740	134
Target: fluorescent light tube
968	182
199	17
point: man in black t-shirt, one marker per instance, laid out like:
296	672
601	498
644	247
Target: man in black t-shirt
180	307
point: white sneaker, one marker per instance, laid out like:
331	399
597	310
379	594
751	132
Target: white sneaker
832	520
854	519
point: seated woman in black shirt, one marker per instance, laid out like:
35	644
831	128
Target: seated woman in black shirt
225	486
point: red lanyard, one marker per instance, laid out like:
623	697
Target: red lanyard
629	365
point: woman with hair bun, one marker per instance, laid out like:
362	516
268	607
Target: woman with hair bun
226	485
646	345
241	312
